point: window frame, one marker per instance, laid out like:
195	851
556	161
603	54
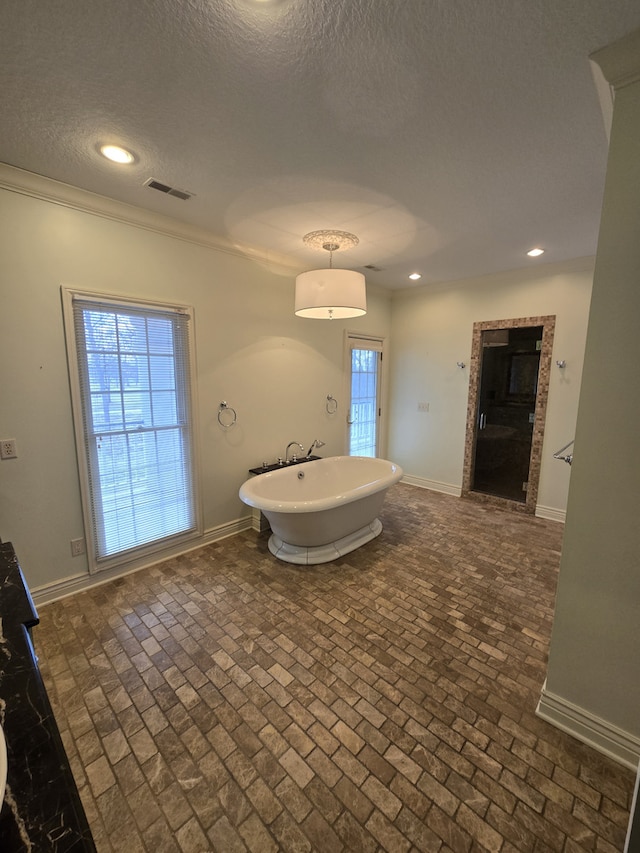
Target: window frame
137	553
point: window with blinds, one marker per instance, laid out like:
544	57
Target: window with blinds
131	381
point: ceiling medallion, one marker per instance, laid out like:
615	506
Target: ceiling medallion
331	241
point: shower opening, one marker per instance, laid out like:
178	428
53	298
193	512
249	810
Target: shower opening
507	407
506	411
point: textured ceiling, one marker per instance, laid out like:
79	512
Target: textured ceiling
449	135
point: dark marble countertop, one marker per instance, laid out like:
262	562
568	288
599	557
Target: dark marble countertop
42	810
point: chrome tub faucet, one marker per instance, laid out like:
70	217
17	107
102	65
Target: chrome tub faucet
294	457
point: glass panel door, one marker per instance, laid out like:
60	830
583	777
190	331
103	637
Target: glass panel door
364	403
506	411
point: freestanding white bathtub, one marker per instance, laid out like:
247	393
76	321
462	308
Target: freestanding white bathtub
322	509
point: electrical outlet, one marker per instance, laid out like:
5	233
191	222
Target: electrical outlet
423	407
78	547
8	448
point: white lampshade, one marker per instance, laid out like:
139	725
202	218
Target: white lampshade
330	294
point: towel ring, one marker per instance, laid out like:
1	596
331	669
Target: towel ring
332	405
229	413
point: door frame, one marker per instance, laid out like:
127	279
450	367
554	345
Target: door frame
548	323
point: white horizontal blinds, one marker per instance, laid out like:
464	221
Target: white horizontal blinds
134	372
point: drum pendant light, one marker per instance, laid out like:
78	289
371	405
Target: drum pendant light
330	294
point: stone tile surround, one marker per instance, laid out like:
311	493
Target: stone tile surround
548	322
224	701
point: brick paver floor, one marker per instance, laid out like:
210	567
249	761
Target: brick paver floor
225	701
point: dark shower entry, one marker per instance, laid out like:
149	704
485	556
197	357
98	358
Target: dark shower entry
510	362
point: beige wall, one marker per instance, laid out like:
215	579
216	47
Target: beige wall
595	645
274	368
251	351
432	330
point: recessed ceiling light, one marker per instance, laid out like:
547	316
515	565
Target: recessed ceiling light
534	253
117	154
415	276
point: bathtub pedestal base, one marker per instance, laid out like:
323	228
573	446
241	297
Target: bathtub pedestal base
311	556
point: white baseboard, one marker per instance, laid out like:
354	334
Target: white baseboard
606	738
551	513
77	583
432	485
547	512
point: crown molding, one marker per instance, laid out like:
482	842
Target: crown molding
620	61
46	189
606	96
532	272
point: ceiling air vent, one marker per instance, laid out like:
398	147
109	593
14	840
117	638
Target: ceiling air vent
373	267
163	188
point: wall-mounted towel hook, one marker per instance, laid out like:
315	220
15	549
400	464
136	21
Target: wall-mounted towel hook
226	415
561	363
332	404
461	365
